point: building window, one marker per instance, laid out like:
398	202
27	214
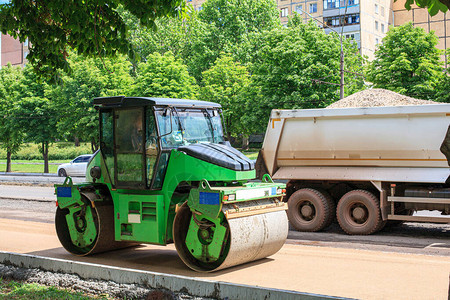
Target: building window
353	36
376	9
382	11
350	36
376	25
299	9
330	4
353	2
284	12
312	8
382	28
341	21
376	41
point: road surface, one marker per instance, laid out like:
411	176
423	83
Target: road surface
407	262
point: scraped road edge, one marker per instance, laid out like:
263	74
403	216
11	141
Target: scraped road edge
175	283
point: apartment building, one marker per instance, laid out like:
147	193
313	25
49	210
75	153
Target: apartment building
364	21
12	51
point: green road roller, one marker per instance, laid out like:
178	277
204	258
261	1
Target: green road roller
165	174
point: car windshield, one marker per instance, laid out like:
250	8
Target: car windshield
189	126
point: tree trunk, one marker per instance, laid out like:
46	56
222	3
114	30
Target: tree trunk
8	161
228	132
228	136
94	146
45	155
77	141
244	142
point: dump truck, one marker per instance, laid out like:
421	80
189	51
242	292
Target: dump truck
361	166
164	174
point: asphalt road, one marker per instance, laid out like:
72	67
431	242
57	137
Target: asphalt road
411	261
36	203
343	272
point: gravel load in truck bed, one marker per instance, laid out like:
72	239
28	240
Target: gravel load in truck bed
377	97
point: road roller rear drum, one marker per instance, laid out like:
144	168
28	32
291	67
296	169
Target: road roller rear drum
92	229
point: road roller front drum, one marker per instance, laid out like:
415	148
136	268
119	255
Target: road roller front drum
245	239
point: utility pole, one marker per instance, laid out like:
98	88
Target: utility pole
341	86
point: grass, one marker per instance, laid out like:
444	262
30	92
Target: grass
57	151
33	291
251	154
30	166
36	165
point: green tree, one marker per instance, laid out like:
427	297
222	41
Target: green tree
91	27
38	117
90	78
407	62
229	27
164	76
433	6
172	34
289	70
11	135
443	85
225	83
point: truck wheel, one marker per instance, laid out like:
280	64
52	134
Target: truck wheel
358	212
332	208
310	210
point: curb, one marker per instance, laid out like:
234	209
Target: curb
175	283
36	178
28	199
28	174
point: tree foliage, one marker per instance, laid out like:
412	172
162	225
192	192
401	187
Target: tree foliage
407	62
11	135
287	65
443	85
38	117
225	83
230	26
90	78
433	6
91	27
164	76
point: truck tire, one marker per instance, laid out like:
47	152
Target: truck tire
358	213
332	208
310	210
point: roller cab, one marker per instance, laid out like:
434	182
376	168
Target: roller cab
164	174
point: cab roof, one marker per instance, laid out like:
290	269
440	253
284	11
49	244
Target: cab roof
122	101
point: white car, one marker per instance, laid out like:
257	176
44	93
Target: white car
76	167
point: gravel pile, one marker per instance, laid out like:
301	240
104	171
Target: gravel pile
377	97
90	287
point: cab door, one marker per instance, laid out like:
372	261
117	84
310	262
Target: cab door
129	137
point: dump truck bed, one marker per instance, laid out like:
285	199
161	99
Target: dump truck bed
384	143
